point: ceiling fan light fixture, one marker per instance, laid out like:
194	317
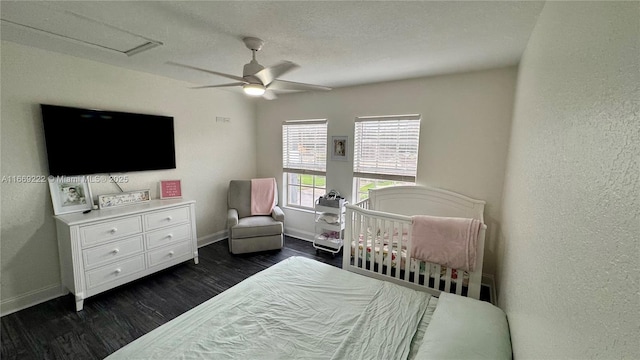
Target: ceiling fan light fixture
256	78
254	89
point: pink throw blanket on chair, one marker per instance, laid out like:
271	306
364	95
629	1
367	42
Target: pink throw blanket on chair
446	241
263	196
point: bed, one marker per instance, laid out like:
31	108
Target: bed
378	231
304	309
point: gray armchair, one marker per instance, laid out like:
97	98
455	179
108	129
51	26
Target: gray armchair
249	233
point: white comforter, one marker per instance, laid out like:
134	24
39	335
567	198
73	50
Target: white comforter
296	309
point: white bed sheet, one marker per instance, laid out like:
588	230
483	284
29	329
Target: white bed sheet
296	309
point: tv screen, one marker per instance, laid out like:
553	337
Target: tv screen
87	141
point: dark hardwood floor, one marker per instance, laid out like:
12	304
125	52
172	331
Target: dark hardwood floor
54	330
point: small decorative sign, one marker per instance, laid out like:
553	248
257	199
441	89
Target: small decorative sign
170	189
125	198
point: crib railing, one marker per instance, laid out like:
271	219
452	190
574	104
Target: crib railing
377	244
363	204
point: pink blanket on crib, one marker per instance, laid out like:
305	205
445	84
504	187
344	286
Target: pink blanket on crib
263	196
445	240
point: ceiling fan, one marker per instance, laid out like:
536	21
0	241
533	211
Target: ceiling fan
257	80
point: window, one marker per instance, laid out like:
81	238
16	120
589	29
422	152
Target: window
304	161
385	152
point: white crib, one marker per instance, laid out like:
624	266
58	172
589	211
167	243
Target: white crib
377	237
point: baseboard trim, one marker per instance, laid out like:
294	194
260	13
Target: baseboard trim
35	297
212	238
224	235
299	234
32	298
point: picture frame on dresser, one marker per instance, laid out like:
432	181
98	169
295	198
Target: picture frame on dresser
70	194
124	198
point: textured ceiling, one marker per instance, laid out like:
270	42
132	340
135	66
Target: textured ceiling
336	44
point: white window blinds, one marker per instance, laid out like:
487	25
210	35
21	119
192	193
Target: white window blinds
387	147
304	146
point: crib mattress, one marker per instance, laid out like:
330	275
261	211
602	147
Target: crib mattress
376	250
298	308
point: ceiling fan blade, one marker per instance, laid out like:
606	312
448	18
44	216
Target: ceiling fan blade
269	74
269	95
217	86
290	85
238	78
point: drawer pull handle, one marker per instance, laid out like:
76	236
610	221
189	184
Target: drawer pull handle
115	251
171	253
169	218
113	231
170	236
118	271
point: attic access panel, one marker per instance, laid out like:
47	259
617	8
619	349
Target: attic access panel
74	27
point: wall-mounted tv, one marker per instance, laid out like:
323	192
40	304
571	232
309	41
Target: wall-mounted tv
88	141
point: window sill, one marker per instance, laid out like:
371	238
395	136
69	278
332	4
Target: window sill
302	210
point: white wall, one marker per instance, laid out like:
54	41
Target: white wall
569	279
208	153
464	134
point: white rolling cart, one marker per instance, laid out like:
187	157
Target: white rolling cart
329	225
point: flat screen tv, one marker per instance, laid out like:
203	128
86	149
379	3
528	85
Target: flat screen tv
88	141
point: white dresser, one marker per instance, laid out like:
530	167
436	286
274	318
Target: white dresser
107	248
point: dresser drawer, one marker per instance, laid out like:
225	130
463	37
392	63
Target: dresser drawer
168	235
110	230
115	271
165	218
114	251
166	254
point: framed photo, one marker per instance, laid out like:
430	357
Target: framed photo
339	149
70	194
124	198
170	189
